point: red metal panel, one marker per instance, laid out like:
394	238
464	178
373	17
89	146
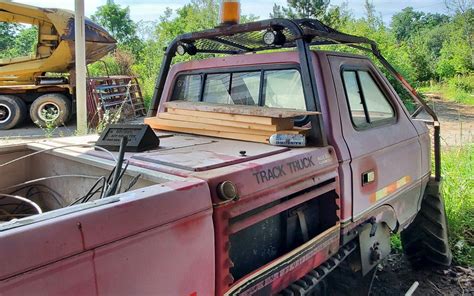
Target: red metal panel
211	155
33	245
71	276
255	190
333	127
176	259
392	151
177	214
251	181
144	209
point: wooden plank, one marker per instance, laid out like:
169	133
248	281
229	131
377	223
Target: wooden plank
161	123
218	134
233	117
239	109
244	125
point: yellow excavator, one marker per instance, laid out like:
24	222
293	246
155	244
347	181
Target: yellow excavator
42	85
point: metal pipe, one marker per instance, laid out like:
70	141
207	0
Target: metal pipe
412	289
80	66
25	200
437	151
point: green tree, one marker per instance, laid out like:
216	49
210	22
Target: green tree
117	21
195	16
456	54
17	40
334	16
7	35
409	22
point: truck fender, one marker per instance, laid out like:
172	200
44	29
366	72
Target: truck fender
386	214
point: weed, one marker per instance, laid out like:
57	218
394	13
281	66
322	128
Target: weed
109	117
459	89
458	190
50	125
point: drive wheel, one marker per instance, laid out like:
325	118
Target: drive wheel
426	239
12	111
50	109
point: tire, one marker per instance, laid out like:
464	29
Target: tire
12	111
425	240
50	108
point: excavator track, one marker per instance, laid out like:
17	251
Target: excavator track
313	282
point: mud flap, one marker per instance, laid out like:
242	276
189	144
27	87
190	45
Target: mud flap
374	243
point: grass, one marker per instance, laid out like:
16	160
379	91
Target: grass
457	89
458	192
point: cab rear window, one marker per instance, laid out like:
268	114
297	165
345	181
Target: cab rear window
271	88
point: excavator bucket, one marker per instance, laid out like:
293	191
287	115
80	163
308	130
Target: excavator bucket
55	47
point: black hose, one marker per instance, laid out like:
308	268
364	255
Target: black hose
118	168
90	193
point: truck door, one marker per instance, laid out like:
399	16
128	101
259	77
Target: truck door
382	141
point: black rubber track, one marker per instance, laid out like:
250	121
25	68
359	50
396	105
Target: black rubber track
426	239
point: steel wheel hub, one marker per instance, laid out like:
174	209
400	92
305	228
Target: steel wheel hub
48	111
5	113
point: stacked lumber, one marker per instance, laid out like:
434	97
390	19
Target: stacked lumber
247	123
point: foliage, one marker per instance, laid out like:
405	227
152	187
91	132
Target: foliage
197	15
17	40
117	21
49	125
334	16
459	89
409	22
458	190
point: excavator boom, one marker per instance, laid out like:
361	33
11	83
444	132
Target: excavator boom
55	47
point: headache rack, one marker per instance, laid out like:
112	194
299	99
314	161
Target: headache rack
299	34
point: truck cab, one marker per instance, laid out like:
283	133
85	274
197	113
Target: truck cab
219	215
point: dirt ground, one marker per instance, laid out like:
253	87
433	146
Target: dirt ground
396	276
457	121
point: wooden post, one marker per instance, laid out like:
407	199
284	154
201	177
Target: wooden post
80	52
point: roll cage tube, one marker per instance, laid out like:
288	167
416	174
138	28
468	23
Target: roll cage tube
299	34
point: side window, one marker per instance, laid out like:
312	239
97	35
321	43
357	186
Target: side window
187	88
377	105
283	89
367	102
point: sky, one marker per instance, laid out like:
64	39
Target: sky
150	10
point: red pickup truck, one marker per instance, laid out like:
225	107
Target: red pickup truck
204	215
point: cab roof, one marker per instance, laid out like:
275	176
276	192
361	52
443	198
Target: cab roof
247	38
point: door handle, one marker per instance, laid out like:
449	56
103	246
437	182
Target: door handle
368	177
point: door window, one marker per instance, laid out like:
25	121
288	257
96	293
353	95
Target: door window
367	103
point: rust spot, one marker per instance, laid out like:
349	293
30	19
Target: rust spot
79	226
95	273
